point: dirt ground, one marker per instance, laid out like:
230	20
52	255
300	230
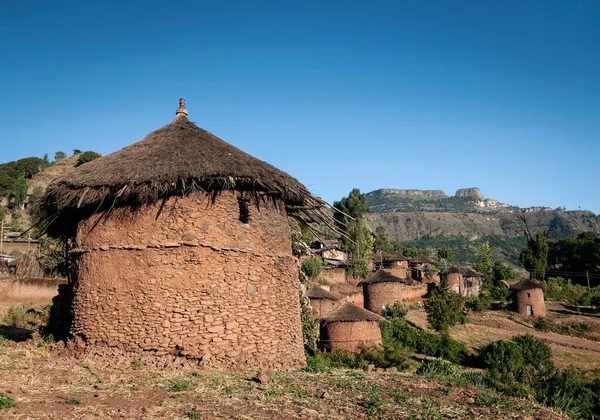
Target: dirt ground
47	382
490	326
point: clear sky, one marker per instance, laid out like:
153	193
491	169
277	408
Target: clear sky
502	95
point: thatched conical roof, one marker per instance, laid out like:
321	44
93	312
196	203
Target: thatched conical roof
465	271
382	276
349	312
176	159
317	292
527	284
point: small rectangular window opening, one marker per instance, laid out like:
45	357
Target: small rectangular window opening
244	211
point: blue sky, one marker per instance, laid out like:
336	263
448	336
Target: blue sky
500	95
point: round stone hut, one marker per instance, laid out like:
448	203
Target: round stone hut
528	298
322	301
350	327
383	288
180	245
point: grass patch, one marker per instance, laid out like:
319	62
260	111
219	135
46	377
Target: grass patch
6	401
179	385
193	414
72	400
372	405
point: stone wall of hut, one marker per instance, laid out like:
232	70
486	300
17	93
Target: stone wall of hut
381	294
322	307
332	276
350	336
191	279
532	297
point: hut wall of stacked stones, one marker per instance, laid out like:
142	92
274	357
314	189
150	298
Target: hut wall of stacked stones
381	294
322	307
530	297
196	282
332	276
350	336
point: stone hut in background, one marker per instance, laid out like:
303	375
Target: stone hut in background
334	272
528	298
463	280
322	301
421	269
383	288
181	245
350	327
394	262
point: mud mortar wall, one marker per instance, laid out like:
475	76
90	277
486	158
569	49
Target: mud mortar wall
377	295
194	281
535	299
332	276
322	307
350	335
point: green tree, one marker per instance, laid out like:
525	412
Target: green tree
46	161
485	262
382	242
444	307
59	155
535	256
19	191
77	152
352	218
86	157
446	254
36	194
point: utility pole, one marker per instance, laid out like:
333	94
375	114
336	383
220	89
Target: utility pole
587	274
2	237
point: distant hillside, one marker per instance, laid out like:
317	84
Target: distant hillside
429	218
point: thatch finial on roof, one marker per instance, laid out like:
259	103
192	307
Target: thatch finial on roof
181	109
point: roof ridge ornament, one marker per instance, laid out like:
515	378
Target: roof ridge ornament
181	109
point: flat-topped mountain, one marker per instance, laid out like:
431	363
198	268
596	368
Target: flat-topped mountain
468	200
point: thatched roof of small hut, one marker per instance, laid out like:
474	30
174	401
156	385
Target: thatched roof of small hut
527	284
177	159
317	292
349	312
465	271
421	259
388	256
382	276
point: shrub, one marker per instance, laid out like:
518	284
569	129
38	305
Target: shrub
395	310
6	401
438	368
312	267
452	350
316	364
535	353
567	392
20	317
503	358
501	294
86	157
194	414
541	324
340	358
479	304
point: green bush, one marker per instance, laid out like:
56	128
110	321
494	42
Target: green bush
395	310
452	350
6	401
340	358
504	359
535	353
316	364
479	304
438	368
501	294
541	324
567	392
312	267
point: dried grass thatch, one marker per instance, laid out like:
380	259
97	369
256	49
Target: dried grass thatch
382	276
527	284
317	292
175	160
349	312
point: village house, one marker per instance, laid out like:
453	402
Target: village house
322	300
329	248
528	298
421	268
382	289
350	327
181	247
394	262
463	280
334	272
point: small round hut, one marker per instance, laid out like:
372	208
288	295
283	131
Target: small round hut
322	301
463	280
528	298
383	288
180	244
350	327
